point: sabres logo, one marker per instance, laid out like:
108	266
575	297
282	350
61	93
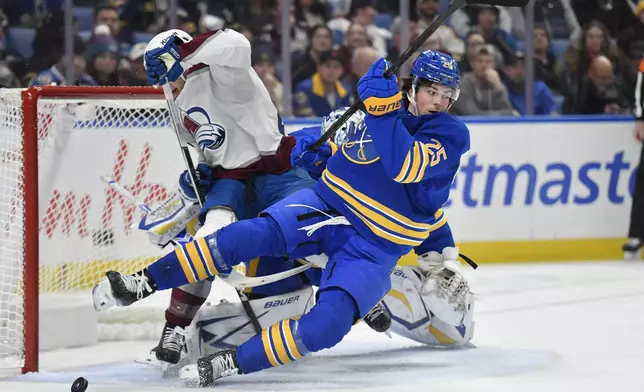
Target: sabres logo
359	147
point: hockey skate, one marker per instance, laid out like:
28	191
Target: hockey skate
171	344
378	318
122	290
632	249
211	368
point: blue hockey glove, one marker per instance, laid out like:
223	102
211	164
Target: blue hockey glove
205	181
380	95
313	161
162	63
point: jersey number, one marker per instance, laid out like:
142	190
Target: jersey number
436	151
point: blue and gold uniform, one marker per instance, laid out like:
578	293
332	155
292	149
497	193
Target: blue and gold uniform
380	195
391	183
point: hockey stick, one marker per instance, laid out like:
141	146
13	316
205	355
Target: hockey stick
175	122
235	279
454	6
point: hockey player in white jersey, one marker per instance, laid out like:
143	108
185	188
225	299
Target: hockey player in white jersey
229	118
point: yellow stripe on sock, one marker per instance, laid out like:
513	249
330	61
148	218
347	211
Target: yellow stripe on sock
185	265
290	341
268	349
205	251
280	349
195	258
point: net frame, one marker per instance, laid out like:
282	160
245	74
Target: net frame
29	100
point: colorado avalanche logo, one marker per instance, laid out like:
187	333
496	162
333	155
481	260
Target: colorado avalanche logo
210	136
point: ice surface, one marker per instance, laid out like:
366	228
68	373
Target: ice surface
539	327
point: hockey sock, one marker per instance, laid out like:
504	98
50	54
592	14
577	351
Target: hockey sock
324	326
183	307
218	252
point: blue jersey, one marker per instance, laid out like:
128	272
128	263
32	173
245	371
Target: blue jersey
391	178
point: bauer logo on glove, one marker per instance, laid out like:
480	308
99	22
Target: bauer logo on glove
379	94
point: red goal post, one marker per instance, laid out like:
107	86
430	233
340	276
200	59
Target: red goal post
43	134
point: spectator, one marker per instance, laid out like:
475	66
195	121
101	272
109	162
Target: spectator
509	20
364	12
263	61
310	12
482	92
356	37
426	12
546	64
599	92
514	80
134	74
141	15
305	64
395	50
323	92
592	42
473	41
102	62
557	16
107	15
57	72
362	60
487	18
630	36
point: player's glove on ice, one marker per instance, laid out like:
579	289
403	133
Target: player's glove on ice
163	63
205	180
380	95
313	161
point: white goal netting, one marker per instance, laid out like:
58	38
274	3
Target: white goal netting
85	228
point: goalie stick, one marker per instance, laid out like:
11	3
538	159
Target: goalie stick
454	6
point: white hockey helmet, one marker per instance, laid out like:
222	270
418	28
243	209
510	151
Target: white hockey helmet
348	128
162	38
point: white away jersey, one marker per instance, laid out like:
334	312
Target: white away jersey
226	108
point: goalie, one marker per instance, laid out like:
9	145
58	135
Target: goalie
362	252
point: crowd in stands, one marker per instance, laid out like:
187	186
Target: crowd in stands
586	52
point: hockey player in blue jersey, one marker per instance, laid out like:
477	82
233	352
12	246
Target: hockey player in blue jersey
379	196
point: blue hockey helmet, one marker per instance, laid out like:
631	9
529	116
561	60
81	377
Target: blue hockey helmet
436	67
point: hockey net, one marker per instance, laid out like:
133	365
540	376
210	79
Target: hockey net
59	222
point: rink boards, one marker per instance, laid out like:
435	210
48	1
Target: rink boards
529	189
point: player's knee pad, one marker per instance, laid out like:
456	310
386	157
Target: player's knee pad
216	218
328	321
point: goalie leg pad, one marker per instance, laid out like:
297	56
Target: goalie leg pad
226	325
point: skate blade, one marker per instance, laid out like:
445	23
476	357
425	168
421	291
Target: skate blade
102	296
388	333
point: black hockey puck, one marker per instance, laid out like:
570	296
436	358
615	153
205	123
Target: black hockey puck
80	385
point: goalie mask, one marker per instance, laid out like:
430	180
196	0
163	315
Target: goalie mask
347	129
